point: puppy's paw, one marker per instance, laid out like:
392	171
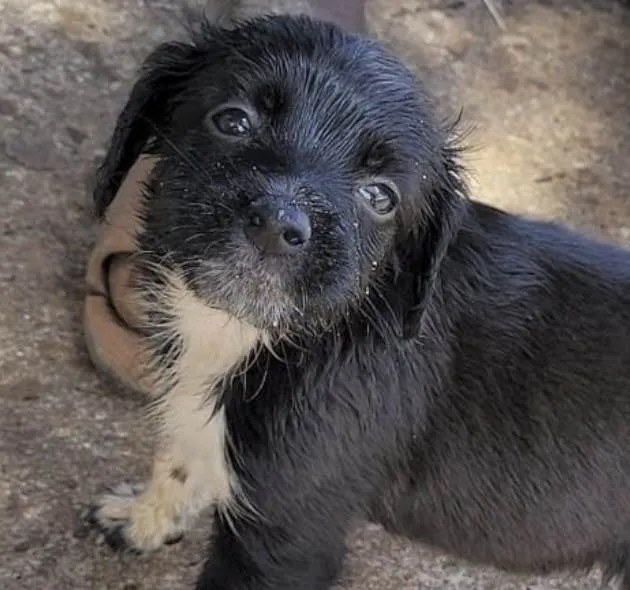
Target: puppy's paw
130	520
110	514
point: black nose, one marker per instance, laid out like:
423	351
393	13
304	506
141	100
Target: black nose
277	228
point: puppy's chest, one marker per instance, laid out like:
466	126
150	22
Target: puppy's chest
195	348
306	384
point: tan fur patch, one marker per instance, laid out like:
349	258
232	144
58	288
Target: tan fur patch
113	347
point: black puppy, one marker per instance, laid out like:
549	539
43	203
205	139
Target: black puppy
339	333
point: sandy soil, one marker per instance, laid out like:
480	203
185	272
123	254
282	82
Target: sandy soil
549	98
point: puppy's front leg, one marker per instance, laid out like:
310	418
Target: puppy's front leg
191	469
302	549
189	473
291	532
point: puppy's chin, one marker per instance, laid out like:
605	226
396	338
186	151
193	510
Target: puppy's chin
255	295
269	294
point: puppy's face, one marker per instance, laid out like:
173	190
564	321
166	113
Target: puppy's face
292	158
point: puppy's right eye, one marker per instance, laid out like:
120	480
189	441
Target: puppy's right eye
381	196
232	121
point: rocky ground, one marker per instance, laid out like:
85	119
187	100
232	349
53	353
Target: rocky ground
549	99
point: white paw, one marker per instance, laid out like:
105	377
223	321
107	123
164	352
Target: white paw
128	520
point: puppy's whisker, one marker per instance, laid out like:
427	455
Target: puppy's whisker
185	158
195	237
261	385
374	315
289	338
269	345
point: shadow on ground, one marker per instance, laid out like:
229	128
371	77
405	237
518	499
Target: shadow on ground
550	101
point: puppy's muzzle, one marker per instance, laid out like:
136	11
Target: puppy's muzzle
277	228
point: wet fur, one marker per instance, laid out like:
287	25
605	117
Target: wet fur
464	379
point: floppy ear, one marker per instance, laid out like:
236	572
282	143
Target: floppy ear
148	107
422	252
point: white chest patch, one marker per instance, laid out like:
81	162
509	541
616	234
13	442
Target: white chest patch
212	344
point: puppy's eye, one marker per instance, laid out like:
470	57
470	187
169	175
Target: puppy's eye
232	121
382	197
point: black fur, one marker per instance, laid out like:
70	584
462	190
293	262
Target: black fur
457	373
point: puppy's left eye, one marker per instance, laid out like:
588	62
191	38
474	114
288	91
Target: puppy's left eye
232	121
382	197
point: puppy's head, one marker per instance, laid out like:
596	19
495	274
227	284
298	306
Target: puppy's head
299	169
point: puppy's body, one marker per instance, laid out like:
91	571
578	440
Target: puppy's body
526	388
389	349
499	435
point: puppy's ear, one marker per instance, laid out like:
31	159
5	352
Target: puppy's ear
423	250
148	109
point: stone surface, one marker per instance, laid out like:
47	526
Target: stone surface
549	100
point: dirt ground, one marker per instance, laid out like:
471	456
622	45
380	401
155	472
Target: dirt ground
549	98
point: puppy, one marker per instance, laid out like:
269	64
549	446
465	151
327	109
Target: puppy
337	333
